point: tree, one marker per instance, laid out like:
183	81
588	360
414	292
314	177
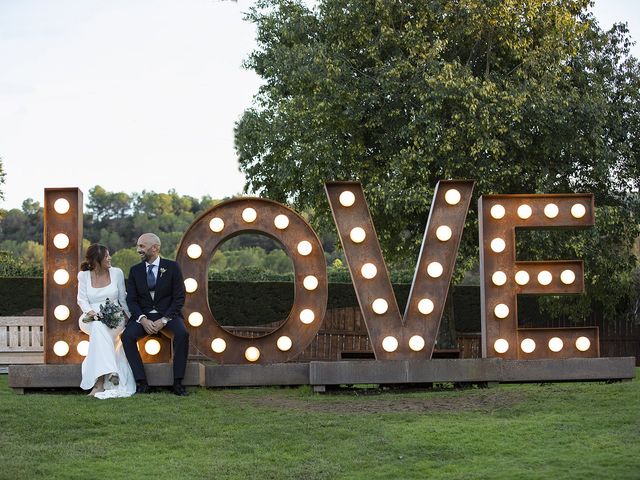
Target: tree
524	97
2	179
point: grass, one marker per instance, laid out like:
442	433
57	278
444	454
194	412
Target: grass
565	430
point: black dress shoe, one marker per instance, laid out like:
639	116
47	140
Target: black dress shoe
179	390
142	387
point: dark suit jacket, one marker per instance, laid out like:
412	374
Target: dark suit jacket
169	292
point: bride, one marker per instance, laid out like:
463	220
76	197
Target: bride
105	370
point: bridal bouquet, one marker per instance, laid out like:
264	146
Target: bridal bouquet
111	314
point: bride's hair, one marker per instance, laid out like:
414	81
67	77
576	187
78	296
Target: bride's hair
94	255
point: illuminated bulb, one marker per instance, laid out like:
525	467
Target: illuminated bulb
498	245
544	277
83	348
249	215
357	235
284	343
522	277
195	319
304	248
194	251
501	311
310	282
583	344
499	278
443	233
216	224
307	316
218	345
567	277
390	344
434	269
425	306
578	210
61	241
281	222
61	312
551	210
497	212
452	197
252	354
61	206
61	276
380	306
416	343
524	211
61	348
369	270
152	347
528	345
347	198
501	345
190	285
555	344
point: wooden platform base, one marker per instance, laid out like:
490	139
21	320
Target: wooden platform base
322	374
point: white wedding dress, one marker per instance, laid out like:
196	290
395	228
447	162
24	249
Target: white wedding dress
106	355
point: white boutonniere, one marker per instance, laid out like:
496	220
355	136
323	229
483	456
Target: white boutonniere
162	270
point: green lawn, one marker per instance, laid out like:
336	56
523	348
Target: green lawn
569	430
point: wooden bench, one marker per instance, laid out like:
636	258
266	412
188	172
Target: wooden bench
21	340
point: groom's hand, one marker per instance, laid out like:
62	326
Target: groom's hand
158	325
148	325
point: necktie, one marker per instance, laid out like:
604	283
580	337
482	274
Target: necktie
151	279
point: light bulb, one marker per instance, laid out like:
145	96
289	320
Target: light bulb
524	211
357	235
252	354
497	211
218	345
83	348
216	224
551	210
61	348
501	311
281	222
284	343
522	277
425	306
544	277
190	285
369	270
416	343
498	245
567	277
61	276
152	347
499	278
390	344
583	344
61	312
452	196
434	269
501	345
578	210
528	345
61	206
61	241
249	215
307	316
195	319
304	248
380	306
555	344
310	282
347	198
194	251
443	233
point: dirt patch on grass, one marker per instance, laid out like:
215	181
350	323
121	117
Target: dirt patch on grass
391	403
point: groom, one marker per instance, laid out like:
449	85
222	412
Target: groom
155	295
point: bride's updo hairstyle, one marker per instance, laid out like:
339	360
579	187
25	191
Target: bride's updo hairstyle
94	256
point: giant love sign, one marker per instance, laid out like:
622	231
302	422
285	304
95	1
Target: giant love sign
393	336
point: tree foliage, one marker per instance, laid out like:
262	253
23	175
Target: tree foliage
2	180
526	96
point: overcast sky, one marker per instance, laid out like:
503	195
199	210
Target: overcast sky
135	94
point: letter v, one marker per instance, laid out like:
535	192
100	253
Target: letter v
393	337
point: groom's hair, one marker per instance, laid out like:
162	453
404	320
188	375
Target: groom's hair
153	238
